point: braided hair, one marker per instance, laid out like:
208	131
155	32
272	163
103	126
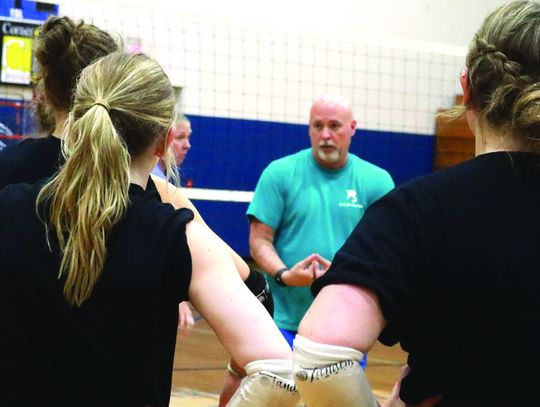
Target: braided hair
503	64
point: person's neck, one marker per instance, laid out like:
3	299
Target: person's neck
60	119
140	170
490	140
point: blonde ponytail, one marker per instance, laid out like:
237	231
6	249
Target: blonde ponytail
110	123
87	198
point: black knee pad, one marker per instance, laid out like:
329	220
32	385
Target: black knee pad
259	287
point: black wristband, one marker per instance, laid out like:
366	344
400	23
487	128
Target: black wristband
277	277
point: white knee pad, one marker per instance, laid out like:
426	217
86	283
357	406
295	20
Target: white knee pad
268	383
328	376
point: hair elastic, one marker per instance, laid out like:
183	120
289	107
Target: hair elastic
102	103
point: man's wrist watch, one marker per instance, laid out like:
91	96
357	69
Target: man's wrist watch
277	277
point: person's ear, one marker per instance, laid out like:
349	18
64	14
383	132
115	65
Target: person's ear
170	136
465	86
161	147
353	128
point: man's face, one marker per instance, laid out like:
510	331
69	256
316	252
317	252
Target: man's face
180	142
331	127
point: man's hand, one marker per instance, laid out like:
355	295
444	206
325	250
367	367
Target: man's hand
186	321
306	271
323	266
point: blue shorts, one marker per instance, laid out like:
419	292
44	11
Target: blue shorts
289	337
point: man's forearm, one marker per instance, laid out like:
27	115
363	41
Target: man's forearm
265	255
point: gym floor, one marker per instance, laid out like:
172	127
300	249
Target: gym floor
200	361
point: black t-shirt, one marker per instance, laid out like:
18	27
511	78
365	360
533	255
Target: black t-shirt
29	161
117	349
454	258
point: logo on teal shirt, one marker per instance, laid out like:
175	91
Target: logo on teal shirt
351	200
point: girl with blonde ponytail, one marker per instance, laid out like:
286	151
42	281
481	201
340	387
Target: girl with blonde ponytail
64	48
90	193
90	282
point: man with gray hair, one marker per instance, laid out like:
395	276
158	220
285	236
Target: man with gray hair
306	205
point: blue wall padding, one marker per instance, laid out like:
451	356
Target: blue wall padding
403	155
232	153
228	220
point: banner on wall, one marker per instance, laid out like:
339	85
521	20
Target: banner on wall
16	39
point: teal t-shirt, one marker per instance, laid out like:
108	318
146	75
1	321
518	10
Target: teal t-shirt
312	210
